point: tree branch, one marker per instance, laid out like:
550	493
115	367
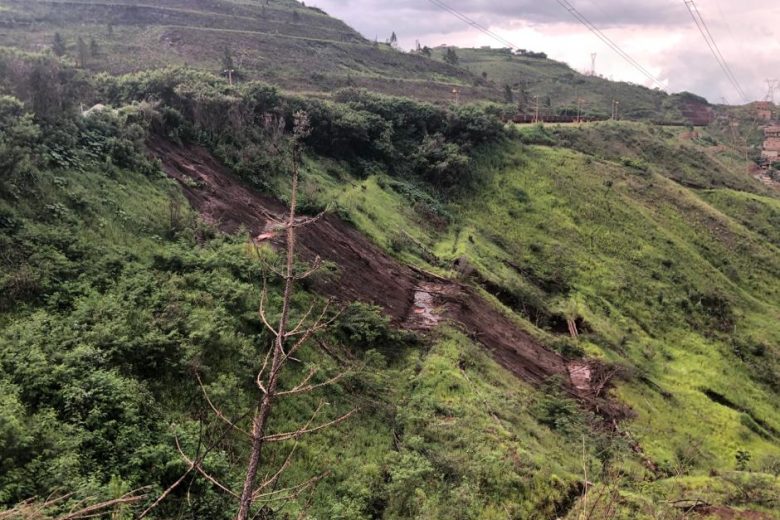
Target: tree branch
216	410
279	437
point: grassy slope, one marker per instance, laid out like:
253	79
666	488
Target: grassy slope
444	432
303	49
296	47
678	285
563	86
180	299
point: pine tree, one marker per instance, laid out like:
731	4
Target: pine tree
393	40
58	47
451	57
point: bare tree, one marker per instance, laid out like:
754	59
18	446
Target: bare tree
288	338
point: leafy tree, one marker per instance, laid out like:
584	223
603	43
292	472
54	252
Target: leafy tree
58	46
18	134
451	57
743	459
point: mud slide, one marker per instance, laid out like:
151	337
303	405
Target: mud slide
413	299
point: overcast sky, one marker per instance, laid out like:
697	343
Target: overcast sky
659	34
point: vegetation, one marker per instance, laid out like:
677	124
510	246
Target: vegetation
313	52
121	310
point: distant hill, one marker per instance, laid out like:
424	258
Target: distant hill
304	49
281	41
559	87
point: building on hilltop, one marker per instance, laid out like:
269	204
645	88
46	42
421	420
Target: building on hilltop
771	150
764	110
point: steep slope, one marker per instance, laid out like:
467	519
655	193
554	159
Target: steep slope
629	244
410	297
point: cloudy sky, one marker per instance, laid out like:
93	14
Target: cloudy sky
659	34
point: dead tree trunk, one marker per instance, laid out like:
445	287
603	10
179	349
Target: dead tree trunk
278	358
287	339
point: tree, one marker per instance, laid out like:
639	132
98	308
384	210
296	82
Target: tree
393	40
509	96
94	50
296	17
287	340
450	56
58	46
227	59
426	51
83	52
523	98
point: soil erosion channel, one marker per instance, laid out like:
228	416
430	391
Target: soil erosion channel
413	299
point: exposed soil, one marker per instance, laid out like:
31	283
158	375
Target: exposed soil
413	299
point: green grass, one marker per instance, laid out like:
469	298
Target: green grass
639	254
558	87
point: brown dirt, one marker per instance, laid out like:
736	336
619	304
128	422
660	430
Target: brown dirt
413	299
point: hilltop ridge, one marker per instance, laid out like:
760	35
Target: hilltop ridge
302	48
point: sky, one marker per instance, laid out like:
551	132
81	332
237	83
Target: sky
659	34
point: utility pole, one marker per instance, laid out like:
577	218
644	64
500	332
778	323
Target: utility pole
593	64
229	73
455	96
579	110
536	117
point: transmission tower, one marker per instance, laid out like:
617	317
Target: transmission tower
771	84
593	64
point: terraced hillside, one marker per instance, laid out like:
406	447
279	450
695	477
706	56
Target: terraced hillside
559	87
281	41
301	48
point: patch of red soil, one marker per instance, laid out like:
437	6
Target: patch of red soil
413	299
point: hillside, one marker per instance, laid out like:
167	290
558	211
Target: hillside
530	312
297	47
303	49
559	87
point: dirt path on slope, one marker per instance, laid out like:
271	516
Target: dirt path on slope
413	299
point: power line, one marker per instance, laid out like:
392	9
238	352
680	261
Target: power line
604	38
574	12
713	45
462	17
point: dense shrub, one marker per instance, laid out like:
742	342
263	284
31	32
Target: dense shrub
18	137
